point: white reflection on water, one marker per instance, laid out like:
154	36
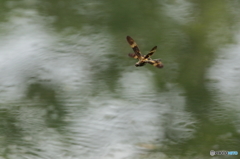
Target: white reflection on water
21	54
224	78
28	51
139	118
108	125
180	11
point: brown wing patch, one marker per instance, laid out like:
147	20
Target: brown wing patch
151	52
157	63
134	46
133	55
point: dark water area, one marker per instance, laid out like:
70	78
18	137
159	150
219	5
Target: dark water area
68	89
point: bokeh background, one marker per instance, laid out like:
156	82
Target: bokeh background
68	90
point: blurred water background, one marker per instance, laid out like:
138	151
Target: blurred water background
68	90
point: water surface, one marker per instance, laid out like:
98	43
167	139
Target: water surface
69	91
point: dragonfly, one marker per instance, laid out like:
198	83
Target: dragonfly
143	59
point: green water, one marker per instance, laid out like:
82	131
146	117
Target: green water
68	89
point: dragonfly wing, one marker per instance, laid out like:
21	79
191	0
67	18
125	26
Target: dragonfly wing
135	48
151	52
133	55
157	63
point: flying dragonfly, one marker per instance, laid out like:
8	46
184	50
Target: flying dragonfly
143	59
